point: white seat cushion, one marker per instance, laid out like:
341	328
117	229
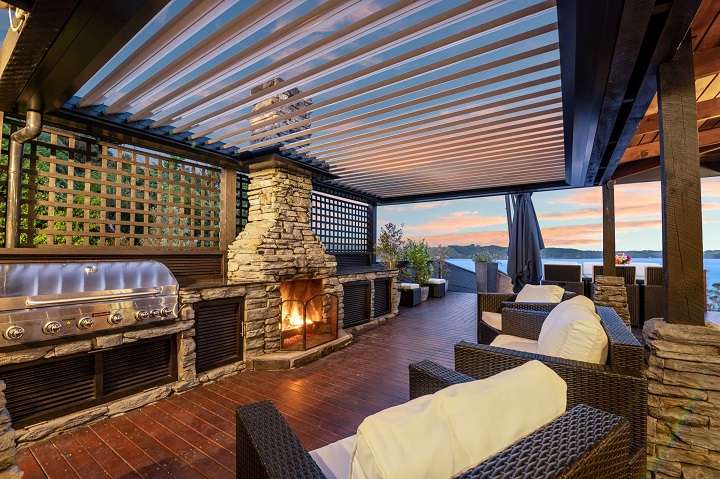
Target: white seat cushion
493	319
408	286
334	459
546	293
440	435
572	331
514	342
436	281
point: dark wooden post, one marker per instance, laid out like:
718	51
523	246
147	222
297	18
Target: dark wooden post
228	211
608	195
680	179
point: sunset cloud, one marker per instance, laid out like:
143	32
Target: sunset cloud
459	220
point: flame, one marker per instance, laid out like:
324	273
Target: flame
294	319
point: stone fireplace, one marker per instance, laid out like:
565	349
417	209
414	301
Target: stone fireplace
293	301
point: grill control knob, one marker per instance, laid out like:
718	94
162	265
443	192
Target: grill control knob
142	315
52	327
155	313
85	323
166	311
14	333
115	318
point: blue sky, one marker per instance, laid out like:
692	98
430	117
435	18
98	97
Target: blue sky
568	218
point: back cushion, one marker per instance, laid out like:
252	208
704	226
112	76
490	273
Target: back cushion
457	428
583	301
573	331
540	294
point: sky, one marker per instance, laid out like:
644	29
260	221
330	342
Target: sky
568	218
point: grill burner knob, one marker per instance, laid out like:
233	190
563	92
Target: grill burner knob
166	311
155	313
14	333
115	318
85	323
142	315
52	327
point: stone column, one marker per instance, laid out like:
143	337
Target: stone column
610	291
683	400
8	468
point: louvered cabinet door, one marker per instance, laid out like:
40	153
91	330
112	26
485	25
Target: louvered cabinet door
218	333
381	301
46	389
41	390
356	303
141	365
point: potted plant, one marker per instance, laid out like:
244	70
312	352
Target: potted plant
485	272
390	245
441	254
417	254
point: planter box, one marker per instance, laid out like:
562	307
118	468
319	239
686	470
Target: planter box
424	293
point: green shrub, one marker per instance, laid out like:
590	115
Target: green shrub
417	254
390	244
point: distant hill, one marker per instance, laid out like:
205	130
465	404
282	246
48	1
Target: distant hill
500	252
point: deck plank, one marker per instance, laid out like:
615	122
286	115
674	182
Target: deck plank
193	434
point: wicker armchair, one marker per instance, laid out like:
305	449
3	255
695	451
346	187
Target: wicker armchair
617	386
582	443
496	302
567	276
632	288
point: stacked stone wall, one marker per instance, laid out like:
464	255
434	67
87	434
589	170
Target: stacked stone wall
683	372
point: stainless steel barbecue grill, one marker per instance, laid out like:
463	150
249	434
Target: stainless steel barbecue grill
46	301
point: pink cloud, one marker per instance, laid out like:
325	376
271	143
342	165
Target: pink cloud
459	220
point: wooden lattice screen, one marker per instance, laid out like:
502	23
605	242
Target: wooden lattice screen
243	205
342	225
81	192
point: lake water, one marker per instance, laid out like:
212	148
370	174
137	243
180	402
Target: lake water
712	266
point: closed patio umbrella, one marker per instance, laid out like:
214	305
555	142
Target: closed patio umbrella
524	261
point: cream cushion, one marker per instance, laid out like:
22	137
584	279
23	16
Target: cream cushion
441	435
493	319
517	343
583	301
572	331
436	281
408	286
546	293
334	459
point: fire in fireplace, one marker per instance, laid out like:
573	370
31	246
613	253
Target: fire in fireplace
309	315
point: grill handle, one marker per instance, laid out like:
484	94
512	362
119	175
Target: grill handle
33	303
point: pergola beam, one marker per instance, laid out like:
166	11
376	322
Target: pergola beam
706	110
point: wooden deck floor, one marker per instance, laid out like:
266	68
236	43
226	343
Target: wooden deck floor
192	435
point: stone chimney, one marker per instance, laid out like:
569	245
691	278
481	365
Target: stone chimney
281	116
278	243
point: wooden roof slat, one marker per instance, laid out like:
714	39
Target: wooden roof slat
478	124
418	30
706	137
353	120
278	41
432	142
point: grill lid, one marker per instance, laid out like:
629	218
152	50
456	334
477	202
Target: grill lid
31	285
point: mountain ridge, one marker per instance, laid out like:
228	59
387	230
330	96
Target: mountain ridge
500	252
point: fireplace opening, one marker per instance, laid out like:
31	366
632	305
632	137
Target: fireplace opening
309	316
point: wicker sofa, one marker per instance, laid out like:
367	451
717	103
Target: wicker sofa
617	386
583	443
496	302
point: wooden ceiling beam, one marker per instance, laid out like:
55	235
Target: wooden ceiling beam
705	109
647	150
707	62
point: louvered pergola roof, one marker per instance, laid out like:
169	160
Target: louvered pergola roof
402	97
